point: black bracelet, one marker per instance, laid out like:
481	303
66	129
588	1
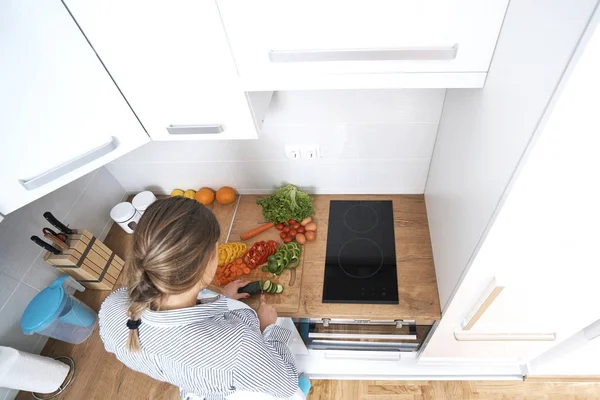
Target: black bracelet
134	324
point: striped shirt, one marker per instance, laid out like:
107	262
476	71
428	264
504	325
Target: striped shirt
207	350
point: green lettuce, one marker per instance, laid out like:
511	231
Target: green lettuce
286	203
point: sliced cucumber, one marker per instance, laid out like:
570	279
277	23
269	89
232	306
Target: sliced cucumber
273	288
279	289
266	285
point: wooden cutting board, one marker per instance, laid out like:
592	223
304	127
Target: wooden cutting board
247	217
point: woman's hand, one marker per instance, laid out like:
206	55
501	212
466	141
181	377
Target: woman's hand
231	290
266	313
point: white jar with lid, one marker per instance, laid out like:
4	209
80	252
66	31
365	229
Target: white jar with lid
126	216
142	200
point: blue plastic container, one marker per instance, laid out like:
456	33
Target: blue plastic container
57	314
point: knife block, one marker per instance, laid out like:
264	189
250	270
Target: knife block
88	261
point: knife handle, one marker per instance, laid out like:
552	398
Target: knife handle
45	245
57	224
56	241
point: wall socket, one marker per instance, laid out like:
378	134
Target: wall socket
301	152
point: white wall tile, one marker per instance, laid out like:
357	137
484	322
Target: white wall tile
394	141
338	176
178	151
8	394
10	315
330	107
7	287
39	346
41	274
393	176
164	177
92	211
398	106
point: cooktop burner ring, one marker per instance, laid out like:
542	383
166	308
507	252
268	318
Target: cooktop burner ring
369	218
353	241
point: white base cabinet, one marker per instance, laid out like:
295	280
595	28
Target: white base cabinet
61	114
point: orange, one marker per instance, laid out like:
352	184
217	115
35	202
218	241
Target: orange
205	196
226	195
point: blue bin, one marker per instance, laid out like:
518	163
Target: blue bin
57	314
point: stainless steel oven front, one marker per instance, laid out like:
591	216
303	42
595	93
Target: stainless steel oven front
362	334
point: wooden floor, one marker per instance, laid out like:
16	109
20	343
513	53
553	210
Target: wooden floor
452	390
122	384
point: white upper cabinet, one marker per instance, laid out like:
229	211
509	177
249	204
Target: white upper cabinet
172	62
61	116
312	44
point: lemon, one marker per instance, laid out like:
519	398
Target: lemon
189	194
177	192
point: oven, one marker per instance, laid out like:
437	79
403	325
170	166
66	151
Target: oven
362	334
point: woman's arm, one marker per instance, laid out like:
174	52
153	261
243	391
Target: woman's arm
265	363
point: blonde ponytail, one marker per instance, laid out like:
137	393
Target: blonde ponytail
172	244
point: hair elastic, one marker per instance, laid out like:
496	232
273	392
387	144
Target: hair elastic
134	324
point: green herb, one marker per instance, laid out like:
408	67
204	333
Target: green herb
286	203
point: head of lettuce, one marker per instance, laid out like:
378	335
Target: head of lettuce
286	203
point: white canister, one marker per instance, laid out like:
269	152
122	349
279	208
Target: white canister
126	216
142	200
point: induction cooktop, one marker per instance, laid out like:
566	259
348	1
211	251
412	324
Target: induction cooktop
360	260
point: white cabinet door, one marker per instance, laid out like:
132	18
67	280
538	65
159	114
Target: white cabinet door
61	116
273	39
173	64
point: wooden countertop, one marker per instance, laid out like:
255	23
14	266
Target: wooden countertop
417	285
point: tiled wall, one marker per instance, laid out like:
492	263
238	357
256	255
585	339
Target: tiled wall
371	141
84	203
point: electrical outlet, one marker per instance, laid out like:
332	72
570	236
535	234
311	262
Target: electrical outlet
293	152
310	152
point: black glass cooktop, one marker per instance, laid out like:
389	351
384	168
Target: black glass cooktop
360	260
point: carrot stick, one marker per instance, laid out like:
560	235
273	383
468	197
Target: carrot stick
256	231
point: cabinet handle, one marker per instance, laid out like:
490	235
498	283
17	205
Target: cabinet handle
397	54
469	336
363	355
491	292
320	335
194	129
70	166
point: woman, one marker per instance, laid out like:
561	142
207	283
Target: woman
155	326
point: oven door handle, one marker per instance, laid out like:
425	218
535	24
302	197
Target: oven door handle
321	335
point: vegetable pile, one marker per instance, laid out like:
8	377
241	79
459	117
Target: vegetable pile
228	252
286	257
286	203
259	253
230	272
300	231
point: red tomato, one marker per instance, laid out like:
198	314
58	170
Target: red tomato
301	229
286	229
296	225
287	239
292	222
293	232
279	227
283	235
